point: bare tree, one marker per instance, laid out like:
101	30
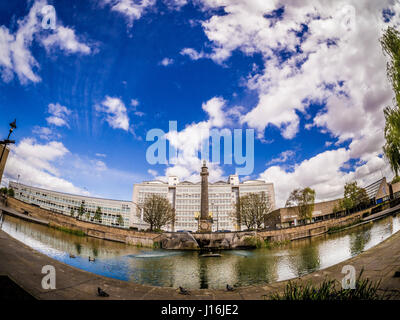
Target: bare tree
303	202
251	210
157	212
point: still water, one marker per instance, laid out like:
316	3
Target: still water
188	269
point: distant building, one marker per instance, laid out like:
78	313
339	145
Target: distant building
3	161
396	190
287	217
185	199
64	202
379	191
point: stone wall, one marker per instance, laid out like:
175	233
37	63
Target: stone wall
310	230
133	237
229	240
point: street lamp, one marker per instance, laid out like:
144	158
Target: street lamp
13	126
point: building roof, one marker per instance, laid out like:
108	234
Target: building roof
373	188
67	194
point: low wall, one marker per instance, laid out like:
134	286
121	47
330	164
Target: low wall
292	233
310	230
132	237
212	240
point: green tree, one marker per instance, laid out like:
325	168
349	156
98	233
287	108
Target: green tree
11	192
157	211
120	220
390	42
252	209
395	180
81	210
354	196
4	191
98	214
303	202
72	213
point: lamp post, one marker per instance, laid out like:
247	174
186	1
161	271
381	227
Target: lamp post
13	126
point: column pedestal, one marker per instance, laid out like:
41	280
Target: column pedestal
205	226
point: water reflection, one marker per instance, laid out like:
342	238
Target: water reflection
188	269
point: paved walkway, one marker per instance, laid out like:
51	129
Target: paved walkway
382	214
24	265
14	213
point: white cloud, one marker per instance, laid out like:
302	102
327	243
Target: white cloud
188	142
131	9
152	172
15	55
34	164
166	62
283	157
116	113
45	133
193	54
101	155
58	115
338	63
65	39
134	103
323	174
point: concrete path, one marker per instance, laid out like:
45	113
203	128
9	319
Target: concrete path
14	213
382	214
24	265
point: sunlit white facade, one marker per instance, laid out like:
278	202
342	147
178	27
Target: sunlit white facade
65	203
185	199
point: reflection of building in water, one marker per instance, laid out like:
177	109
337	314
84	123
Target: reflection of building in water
185	198
65	202
46	238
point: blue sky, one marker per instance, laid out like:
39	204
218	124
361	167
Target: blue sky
86	93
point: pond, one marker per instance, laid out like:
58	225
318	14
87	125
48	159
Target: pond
190	270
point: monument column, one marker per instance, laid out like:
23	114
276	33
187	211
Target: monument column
205	224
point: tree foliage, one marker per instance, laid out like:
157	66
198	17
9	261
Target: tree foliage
390	42
303	202
354	196
120	220
98	214
395	180
7	192
157	211
252	208
81	210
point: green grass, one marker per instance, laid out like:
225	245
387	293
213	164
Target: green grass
70	231
328	290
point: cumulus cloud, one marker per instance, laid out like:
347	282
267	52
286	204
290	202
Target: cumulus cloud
312	53
193	54
116	113
65	39
324	173
58	115
283	157
132	10
34	164
189	141
15	55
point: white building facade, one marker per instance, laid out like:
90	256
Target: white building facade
66	204
185	199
